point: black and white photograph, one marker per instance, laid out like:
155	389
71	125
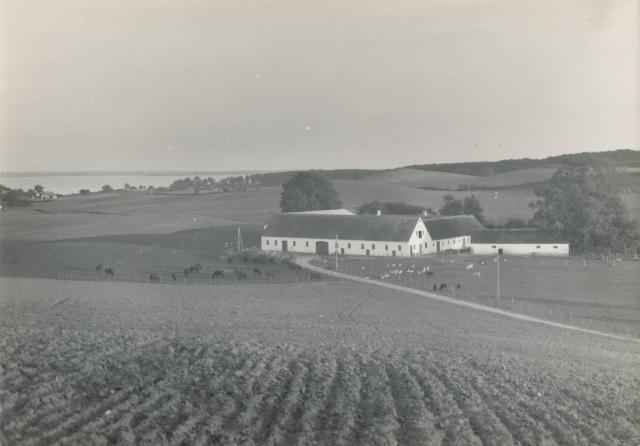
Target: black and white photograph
340	222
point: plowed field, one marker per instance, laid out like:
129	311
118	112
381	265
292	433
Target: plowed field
326	363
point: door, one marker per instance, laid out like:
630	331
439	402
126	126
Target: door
393	253
285	246
438	246
368	253
500	251
322	248
341	251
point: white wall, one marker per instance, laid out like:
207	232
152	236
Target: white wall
351	247
543	249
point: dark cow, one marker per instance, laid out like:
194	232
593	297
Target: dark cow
435	287
257	271
99	267
195	268
217	273
109	272
443	287
154	278
173	276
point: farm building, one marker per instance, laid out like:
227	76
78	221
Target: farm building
326	212
518	242
367	235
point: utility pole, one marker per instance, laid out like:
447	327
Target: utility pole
336	248
239	237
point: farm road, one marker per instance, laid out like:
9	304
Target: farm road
305	263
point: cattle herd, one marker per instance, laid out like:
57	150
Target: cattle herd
237	273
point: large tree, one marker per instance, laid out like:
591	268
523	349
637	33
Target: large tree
469	206
307	191
583	205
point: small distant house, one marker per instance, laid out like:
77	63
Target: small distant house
367	235
518	242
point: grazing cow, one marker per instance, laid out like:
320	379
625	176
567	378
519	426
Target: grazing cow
109	272
173	276
99	267
195	268
442	287
315	276
257	271
435	287
217	273
154	278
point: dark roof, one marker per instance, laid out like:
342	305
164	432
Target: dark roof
515	236
394	228
453	226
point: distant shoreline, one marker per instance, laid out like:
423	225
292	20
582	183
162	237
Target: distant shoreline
117	173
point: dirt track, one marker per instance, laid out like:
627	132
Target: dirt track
328	363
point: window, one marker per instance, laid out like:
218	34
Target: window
306	244
275	242
362	246
373	247
555	246
426	244
294	243
493	246
349	245
386	247
538	247
399	247
267	242
419	234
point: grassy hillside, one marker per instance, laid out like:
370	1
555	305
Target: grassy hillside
626	157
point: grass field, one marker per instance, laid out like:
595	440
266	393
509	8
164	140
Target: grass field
444	180
329	363
134	257
584	293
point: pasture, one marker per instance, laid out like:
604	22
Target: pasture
326	363
136	257
581	292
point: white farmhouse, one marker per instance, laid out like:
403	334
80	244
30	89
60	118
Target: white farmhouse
367	235
518	242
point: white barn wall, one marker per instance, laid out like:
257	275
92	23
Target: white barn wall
546	249
299	245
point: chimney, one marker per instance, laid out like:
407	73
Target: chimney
379	213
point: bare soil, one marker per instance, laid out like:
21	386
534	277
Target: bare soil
324	363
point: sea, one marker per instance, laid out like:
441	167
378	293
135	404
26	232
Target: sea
71	184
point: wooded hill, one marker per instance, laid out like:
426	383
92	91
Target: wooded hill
619	158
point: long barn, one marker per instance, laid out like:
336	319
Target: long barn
368	235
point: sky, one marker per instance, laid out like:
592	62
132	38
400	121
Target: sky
299	84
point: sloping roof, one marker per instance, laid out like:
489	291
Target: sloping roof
515	236
452	226
326	212
393	228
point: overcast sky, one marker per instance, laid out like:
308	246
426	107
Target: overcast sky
257	84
